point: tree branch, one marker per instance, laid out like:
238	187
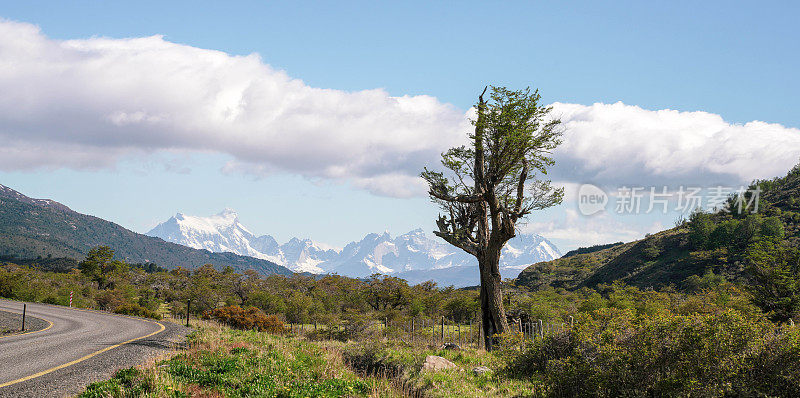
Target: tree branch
462	243
456	198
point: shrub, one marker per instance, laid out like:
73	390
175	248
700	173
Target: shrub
723	233
772	227
700	228
773	268
136	310
352	327
374	358
614	352
776	367
247	318
110	299
651	249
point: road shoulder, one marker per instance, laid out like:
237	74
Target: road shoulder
11	322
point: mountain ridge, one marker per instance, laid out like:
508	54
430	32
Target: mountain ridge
40	228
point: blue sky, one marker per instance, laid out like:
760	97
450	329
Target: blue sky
735	60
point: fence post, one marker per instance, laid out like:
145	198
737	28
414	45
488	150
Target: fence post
541	329
571	319
24	310
412	331
443	330
188	305
481	341
489	341
470	332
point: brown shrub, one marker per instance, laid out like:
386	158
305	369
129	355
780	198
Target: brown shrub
247	319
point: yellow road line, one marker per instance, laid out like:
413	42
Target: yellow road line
53	369
50	324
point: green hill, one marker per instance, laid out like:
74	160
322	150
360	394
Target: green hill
721	243
38	228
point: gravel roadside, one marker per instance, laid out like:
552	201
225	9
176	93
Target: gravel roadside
10	323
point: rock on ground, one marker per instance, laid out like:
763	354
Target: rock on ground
450	346
434	363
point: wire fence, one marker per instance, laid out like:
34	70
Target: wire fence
441	332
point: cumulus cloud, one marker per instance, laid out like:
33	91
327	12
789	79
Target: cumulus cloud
623	144
88	103
572	230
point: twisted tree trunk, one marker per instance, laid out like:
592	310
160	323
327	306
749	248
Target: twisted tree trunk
492	310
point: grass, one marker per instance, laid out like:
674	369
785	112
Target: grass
222	362
404	362
425	334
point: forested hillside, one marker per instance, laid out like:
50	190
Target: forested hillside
737	247
35	228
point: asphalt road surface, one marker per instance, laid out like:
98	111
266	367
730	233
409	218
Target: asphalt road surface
78	348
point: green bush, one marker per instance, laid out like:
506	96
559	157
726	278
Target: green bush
774	268
136	310
615	352
651	249
772	227
700	228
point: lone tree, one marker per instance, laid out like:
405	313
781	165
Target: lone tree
492	183
101	267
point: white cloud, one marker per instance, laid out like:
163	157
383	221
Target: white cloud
87	103
623	144
571	230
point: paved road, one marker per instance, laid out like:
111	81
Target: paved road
80	347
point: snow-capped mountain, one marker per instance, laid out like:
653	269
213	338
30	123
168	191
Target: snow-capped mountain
218	233
412	255
224	233
526	249
417	256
